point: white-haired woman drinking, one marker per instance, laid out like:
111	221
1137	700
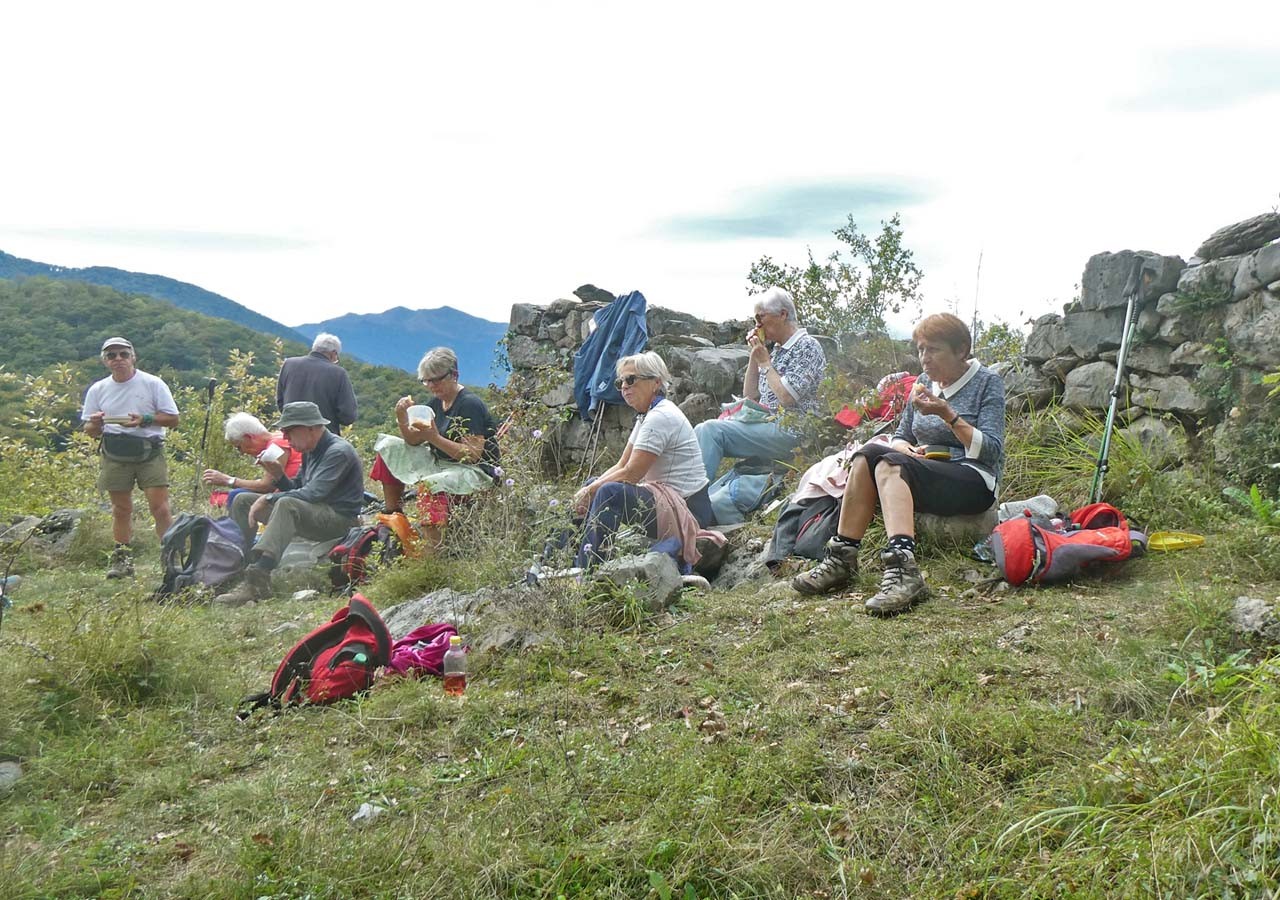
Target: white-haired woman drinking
249	436
444	452
786	378
659	479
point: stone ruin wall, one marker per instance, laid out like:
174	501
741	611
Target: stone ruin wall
706	359
1191	318
1204	330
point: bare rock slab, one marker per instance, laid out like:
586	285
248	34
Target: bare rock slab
655	575
1241	237
1255	618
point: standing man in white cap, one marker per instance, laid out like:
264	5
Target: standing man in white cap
129	412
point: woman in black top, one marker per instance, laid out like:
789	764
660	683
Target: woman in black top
460	437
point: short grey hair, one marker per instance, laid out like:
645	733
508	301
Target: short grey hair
649	364
326	343
776	300
240	425
436	362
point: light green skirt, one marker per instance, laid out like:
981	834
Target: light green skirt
413	465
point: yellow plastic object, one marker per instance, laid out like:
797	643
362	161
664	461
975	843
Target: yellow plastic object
1174	540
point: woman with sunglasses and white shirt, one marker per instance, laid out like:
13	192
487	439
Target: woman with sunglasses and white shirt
661	450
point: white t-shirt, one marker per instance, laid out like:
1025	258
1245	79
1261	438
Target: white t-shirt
144	394
665	431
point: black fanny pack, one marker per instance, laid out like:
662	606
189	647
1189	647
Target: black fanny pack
130	448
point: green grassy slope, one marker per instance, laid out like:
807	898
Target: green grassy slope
1097	740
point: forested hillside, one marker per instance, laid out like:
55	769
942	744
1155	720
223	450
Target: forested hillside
49	323
179	293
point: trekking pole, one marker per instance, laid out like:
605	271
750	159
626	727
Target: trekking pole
1137	280
208	410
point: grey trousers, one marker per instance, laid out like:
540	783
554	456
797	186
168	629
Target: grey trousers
290	518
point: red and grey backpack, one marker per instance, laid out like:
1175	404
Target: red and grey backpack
1041	551
335	661
364	548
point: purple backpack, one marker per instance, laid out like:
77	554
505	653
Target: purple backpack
197	550
421	651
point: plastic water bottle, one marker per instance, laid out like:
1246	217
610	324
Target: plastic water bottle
455	667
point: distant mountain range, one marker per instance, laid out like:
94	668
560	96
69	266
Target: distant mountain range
397	337
400	336
179	293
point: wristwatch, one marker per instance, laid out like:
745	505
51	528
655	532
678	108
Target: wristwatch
764	370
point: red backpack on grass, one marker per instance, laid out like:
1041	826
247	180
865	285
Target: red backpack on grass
1034	549
335	661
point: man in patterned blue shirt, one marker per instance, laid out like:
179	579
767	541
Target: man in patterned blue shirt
786	379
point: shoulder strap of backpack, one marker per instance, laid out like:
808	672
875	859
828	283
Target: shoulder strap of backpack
358	552
362	609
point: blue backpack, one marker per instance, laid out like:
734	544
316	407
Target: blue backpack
749	485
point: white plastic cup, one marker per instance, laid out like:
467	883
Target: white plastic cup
421	413
272	453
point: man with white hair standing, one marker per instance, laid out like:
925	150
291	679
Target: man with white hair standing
318	378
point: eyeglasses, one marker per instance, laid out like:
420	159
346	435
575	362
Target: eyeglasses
760	316
437	379
117	354
629	380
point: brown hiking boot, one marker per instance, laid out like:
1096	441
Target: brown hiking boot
834	572
120	565
256	585
901	586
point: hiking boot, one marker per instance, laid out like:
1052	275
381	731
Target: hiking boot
901	586
256	585
834	572
120	565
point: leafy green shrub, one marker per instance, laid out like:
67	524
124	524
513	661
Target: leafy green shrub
1266	512
1254	452
842	295
997	342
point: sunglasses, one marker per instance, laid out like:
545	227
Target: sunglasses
629	380
117	354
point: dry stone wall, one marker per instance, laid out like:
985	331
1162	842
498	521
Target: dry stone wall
706	360
1206	331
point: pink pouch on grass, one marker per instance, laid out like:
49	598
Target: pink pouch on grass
421	651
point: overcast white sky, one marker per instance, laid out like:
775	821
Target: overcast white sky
312	159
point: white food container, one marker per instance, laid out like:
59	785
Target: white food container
421	413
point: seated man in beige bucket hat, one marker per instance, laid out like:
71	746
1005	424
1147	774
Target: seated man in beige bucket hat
320	504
